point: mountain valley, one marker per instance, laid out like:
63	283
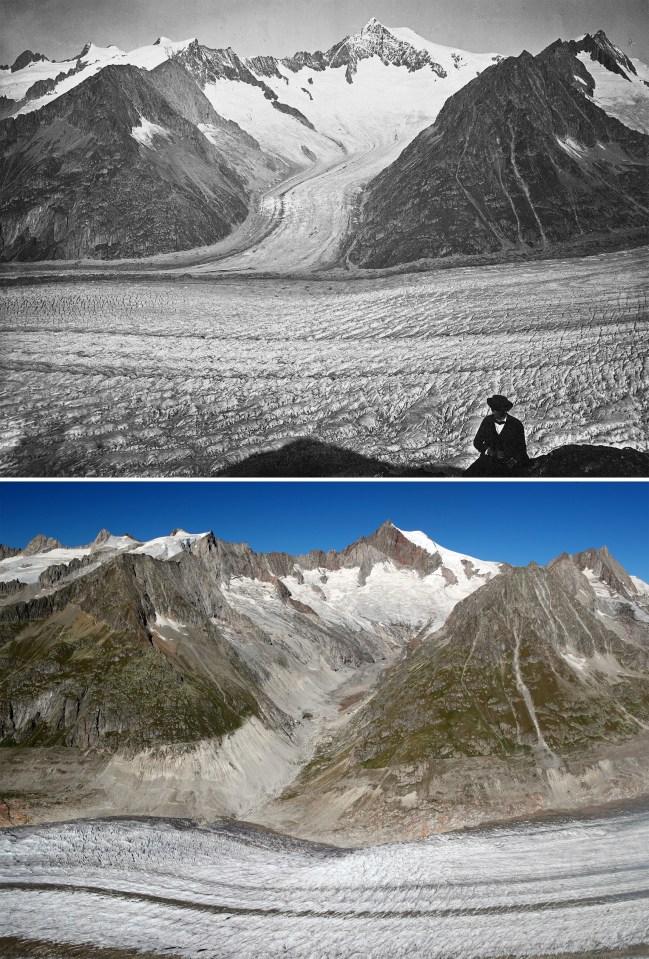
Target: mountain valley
293	165
383	692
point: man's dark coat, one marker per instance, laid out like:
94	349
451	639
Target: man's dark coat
510	442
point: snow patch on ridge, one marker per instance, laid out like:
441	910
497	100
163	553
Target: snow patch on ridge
169	625
575	149
166	547
447	57
456	562
15	85
147	131
27	569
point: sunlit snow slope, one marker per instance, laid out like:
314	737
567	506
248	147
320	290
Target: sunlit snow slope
64	75
360	128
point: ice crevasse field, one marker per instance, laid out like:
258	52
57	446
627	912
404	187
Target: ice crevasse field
167	887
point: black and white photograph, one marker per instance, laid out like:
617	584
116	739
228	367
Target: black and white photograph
306	242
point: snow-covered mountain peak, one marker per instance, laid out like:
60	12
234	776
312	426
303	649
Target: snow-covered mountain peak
461	565
92	53
374	26
166	547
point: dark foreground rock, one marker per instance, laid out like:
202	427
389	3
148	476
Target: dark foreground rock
595	461
310	457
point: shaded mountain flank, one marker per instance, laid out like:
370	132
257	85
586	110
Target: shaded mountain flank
520	159
381	692
117	167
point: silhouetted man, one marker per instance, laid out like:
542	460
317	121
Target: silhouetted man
500	440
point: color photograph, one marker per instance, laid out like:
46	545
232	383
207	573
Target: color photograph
297	723
324	462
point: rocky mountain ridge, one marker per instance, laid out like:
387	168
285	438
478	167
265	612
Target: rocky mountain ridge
521	157
527	698
269	119
187	656
526	154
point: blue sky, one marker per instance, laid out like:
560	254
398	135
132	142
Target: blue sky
59	28
514	522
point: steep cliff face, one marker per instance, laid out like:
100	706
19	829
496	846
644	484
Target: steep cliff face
113	169
116	658
518	159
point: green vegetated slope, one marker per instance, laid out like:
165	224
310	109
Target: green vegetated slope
86	666
462	692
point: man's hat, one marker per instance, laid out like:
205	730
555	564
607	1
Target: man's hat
499	403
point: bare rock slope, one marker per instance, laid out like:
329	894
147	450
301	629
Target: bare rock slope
118	167
521	158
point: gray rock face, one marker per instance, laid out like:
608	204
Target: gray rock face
518	159
102	192
8	551
40	544
25	58
606	568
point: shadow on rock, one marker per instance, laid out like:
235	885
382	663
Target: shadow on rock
310	457
307	457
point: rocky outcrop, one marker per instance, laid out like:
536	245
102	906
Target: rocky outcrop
25	58
519	159
7	551
40	544
591	461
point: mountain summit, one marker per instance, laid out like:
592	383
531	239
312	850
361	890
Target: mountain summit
524	157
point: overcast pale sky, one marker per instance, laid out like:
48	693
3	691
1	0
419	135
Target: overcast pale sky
59	28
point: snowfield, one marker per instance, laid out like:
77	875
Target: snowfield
566	885
156	377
